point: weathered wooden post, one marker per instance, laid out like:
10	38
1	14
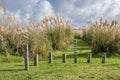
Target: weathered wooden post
89	58
36	60
75	51
104	58
50	57
64	58
26	56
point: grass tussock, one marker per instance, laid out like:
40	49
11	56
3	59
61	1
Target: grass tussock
103	36
52	32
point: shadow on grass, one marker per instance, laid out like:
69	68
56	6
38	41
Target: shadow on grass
81	43
82	48
19	65
12	70
79	55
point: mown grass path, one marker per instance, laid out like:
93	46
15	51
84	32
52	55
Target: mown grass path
65	71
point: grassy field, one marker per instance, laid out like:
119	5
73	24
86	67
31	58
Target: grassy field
65	71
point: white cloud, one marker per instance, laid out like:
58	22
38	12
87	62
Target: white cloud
84	12
81	12
43	8
30	9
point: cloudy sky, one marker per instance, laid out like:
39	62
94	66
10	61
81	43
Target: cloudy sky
82	12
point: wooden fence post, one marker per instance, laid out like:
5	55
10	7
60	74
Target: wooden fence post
50	57
64	58
89	58
36	60
26	56
75	51
104	58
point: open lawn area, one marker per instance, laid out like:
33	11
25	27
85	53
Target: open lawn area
65	71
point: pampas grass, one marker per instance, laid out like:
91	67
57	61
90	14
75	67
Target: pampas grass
103	36
52	32
59	32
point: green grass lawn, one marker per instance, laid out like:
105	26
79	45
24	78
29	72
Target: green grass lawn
65	71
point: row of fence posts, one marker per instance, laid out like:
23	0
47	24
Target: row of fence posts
89	58
64	57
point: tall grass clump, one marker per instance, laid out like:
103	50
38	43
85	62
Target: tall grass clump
59	32
52	32
103	36
77	33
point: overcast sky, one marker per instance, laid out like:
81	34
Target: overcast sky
82	12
